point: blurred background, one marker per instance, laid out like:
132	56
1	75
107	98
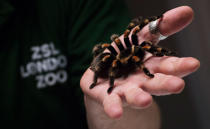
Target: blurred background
191	108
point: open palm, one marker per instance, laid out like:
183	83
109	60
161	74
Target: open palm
136	90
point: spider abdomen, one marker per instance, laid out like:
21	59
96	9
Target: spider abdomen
101	64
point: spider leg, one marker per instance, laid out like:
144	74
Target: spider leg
131	25
99	48
156	50
98	65
112	74
143	22
136	21
146	71
139	63
94	81
117	41
162	51
111	83
153	18
126	38
134	36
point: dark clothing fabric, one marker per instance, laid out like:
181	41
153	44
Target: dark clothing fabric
45	48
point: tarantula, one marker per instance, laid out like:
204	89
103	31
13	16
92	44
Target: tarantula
113	65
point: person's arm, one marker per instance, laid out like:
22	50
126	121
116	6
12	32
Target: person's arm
130	105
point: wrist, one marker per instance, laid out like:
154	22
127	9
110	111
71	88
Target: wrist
132	118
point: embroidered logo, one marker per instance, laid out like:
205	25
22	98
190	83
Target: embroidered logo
47	65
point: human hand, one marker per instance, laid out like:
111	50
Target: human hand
136	90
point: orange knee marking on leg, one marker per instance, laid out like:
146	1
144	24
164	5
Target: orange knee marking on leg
105	45
146	21
117	41
136	30
131	26
114	63
133	49
126	33
159	49
136	58
146	47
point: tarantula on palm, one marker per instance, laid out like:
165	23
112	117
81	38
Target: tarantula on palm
113	65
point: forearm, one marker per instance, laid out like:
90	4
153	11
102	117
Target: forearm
148	118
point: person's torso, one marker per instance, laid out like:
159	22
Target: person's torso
46	46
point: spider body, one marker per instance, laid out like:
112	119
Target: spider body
122	64
113	65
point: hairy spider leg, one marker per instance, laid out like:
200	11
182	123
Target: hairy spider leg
99	48
137	21
143	23
126	38
117	41
134	36
111	85
156	50
130	26
153	18
95	78
112	74
139	64
112	50
96	66
146	71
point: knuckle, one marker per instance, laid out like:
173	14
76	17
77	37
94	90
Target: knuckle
176	85
142	101
169	65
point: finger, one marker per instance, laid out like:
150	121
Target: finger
173	21
137	98
163	84
112	103
113	106
173	65
99	92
